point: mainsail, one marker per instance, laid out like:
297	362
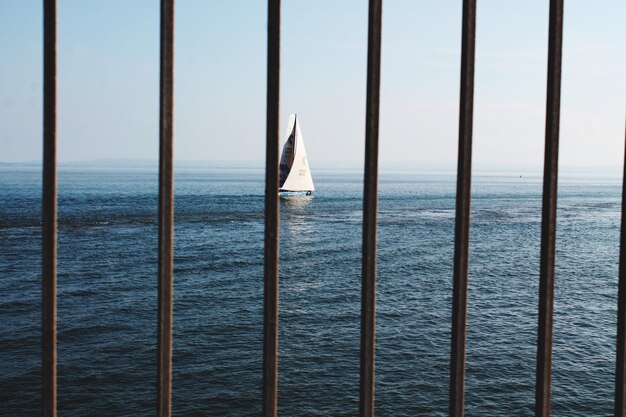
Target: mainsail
294	165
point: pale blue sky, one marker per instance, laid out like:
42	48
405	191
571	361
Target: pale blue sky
108	80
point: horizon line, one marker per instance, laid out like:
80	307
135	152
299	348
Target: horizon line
410	164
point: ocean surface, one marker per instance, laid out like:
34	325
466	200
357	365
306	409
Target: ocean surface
107	294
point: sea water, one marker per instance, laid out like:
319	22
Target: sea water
107	253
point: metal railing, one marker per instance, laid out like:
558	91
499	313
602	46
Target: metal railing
462	222
49	230
166	213
370	197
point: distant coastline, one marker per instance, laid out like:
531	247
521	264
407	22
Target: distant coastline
391	167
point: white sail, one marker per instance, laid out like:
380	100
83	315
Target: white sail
295	174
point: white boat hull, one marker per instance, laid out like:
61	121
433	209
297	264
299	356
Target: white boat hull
294	193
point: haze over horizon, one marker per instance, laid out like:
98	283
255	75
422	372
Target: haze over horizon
108	81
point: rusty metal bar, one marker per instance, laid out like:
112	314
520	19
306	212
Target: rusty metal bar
370	212
620	360
270	269
49	230
462	222
548	215
166	213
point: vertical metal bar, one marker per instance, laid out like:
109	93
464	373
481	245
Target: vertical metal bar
462	222
49	231
166	213
620	360
370	212
270	270
548	215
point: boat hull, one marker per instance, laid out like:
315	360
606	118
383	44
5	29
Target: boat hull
294	193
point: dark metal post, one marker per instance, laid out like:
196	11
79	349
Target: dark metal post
370	212
620	360
49	231
548	215
270	271
462	222
166	213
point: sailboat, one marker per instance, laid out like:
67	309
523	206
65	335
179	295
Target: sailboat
295	175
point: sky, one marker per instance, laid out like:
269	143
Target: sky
108	70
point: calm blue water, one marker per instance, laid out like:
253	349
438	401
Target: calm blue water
107	294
